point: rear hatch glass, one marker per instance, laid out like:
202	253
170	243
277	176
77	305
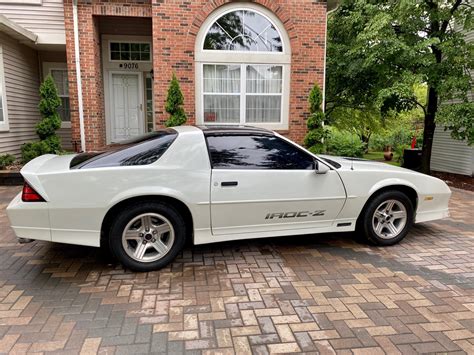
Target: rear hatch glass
141	150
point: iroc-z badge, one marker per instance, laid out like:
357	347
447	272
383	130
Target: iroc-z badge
300	214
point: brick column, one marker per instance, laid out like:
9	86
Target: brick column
172	52
91	74
307	38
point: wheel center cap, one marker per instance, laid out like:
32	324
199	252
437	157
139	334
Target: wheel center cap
148	236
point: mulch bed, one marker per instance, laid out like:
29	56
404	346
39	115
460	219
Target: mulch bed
455	180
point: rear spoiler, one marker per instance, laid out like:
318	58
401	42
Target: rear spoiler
45	164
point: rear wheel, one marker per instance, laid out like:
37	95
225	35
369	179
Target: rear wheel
147	236
387	218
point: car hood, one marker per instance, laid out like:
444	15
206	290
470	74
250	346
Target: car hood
347	163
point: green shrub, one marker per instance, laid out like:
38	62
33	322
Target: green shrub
32	150
174	103
314	139
378	142
344	144
6	160
46	128
399	137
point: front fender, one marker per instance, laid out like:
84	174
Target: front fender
391	182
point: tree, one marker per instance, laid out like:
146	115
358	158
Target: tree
174	103
379	50
316	133
362	122
458	118
368	121
49	143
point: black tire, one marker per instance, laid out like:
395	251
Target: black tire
130	213
366	225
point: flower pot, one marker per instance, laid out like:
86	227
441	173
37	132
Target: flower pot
387	153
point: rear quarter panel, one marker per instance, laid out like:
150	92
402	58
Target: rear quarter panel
78	200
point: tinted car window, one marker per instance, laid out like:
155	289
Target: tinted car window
143	150
256	152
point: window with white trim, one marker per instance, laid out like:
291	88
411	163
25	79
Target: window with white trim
61	80
3	99
243	30
243	63
245	93
130	51
59	73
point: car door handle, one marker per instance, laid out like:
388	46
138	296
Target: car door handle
229	183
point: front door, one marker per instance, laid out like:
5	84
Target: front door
263	184
127	119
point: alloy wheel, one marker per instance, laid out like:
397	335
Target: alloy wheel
148	237
389	219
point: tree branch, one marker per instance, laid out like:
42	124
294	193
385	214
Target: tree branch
415	101
456	5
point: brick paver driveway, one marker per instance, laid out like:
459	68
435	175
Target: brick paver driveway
314	293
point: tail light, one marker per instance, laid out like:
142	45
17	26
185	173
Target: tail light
30	195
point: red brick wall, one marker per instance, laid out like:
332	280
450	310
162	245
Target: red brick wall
175	26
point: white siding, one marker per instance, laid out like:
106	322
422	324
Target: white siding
21	87
66	138
450	155
45	20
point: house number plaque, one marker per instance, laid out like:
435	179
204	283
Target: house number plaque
129	65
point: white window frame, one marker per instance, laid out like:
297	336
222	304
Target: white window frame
130	42
242	94
4	125
47	68
243	58
22	2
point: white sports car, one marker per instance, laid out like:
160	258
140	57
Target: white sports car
145	198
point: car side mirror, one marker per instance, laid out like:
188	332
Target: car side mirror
320	168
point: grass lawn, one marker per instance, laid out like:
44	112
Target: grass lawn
378	156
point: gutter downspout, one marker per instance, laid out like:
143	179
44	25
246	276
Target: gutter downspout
325	50
80	103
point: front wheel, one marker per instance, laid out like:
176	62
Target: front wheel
147	236
387	218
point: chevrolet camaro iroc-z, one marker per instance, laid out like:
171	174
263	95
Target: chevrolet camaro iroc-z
146	197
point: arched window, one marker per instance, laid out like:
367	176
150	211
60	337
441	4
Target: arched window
243	30
242	68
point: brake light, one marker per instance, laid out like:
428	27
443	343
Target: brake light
30	195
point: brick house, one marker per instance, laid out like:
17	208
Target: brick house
237	62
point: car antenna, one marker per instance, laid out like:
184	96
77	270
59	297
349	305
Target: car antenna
352	158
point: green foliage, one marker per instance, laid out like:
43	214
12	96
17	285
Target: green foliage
32	150
344	144
316	133
47	127
315	120
399	150
380	51
50	143
174	103
398	137
315	99
317	148
459	119
49	99
6	160
314	137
